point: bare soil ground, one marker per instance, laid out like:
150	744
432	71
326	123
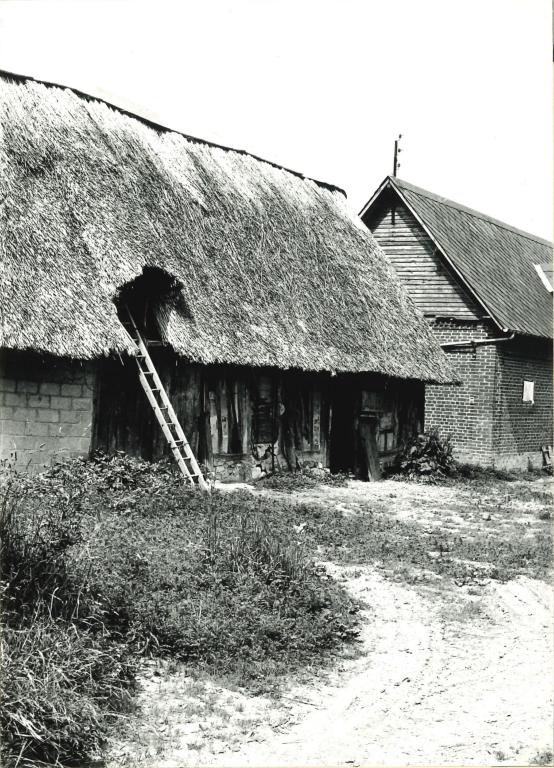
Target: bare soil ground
446	673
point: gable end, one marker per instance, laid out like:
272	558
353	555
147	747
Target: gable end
432	285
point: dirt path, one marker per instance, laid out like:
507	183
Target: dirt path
447	675
429	691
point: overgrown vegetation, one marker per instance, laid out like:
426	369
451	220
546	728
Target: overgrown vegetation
104	561
427	456
65	676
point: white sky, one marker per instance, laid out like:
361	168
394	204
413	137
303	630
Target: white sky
324	86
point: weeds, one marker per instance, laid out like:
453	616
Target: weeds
105	561
65	678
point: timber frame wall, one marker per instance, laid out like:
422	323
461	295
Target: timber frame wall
241	422
245	422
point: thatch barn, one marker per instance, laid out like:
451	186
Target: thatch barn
279	328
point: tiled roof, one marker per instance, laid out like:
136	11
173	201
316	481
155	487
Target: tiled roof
495	260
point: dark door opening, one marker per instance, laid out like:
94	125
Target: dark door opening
344	405
353	432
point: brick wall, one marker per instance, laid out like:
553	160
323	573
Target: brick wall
45	408
485	416
520	429
466	412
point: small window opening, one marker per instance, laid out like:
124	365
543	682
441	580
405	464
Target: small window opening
529	392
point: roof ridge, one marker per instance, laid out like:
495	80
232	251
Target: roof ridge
471	211
160	127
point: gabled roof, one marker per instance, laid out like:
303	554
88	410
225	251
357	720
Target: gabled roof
495	261
275	268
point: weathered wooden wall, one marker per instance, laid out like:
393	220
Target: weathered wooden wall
243	422
414	256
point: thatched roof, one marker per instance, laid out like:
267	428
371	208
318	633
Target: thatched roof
495	260
276	269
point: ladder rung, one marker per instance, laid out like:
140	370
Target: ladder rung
180	446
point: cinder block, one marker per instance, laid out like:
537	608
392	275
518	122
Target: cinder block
80	445
48	415
12	398
36	428
82	403
71	417
7	385
31	387
6	412
30	443
72	390
22	414
69	430
38	401
60	402
10	427
49	388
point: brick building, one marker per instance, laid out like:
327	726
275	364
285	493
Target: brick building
485	288
277	326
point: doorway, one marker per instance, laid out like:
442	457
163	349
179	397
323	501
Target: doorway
344	408
354	431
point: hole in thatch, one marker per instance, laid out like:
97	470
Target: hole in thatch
149	297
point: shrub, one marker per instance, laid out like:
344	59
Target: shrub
427	455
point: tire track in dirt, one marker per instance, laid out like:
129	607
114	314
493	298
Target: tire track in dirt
429	691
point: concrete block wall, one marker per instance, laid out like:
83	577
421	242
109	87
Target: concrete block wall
46	407
466	412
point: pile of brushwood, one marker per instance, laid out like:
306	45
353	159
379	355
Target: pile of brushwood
105	561
303	479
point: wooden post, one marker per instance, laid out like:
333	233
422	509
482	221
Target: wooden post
367	431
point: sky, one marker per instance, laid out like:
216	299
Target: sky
325	86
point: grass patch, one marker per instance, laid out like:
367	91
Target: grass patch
106	561
65	677
407	551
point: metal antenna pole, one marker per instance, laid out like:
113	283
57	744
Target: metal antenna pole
397	151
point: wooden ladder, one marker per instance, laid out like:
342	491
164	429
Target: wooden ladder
167	419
